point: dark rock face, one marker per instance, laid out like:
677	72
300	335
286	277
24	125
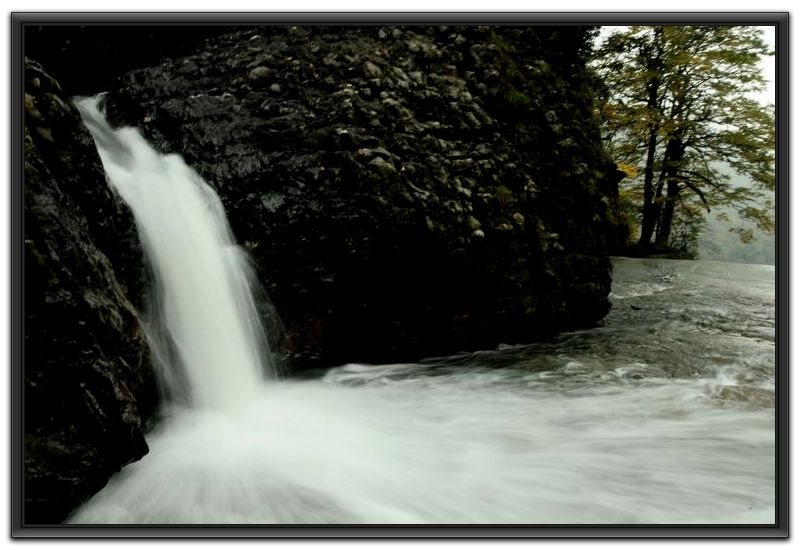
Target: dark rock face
88	380
406	192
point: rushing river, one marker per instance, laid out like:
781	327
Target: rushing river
665	414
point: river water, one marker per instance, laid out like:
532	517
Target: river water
663	415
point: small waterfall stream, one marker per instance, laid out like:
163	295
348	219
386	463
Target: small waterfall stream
203	288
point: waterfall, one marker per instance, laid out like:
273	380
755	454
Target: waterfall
600	427
206	327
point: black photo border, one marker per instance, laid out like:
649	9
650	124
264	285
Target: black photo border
18	21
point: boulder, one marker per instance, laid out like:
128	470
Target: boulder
405	192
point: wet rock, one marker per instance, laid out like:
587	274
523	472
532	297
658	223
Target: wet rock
88	379
369	254
383	166
373	70
259	73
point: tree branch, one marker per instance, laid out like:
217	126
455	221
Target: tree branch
700	194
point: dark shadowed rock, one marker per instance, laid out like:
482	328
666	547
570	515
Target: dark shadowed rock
83	59
88	380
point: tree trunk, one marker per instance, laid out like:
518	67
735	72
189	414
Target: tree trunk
672	160
667	213
657	202
649	209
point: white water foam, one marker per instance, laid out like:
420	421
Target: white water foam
440	450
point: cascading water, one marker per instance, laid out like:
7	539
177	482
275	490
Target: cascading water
203	293
664	415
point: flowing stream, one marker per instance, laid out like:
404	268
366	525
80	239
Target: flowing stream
205	329
665	414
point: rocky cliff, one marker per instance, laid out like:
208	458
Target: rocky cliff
88	381
405	192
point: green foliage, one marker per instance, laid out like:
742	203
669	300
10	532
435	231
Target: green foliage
688	223
511	74
630	202
674	109
504	195
502	45
587	36
518	99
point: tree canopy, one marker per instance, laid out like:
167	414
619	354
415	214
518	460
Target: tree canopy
678	116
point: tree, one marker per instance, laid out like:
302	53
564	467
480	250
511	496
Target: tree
676	112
